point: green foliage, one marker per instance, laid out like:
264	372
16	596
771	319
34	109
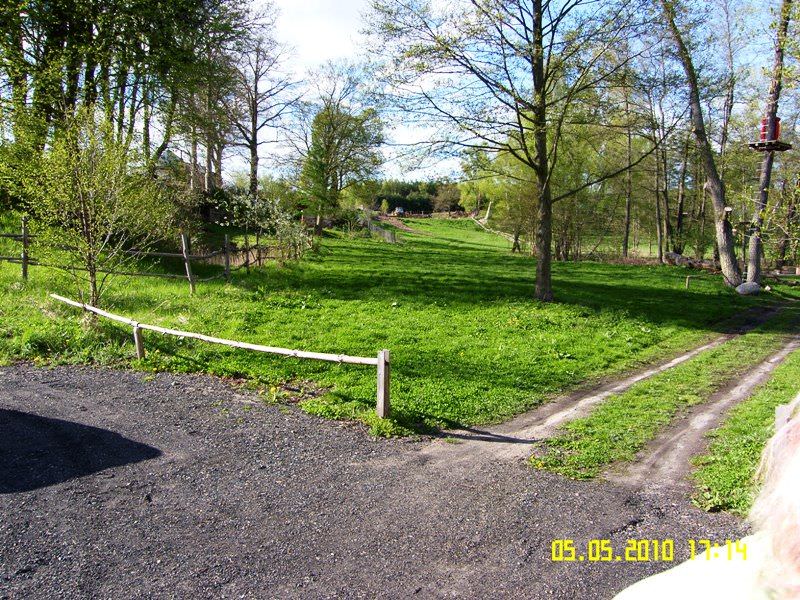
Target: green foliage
343	152
621	426
448	197
468	343
412	196
90	202
724	477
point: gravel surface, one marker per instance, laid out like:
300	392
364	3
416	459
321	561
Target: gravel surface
114	484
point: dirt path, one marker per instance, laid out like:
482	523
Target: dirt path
665	461
117	484
395	222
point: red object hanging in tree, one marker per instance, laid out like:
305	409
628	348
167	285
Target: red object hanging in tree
765	130
764	144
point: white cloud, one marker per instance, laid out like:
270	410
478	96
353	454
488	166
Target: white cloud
320	30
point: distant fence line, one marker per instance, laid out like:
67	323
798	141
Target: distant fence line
382	361
228	258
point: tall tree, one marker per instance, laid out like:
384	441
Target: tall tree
262	97
756	250
714	183
504	75
337	139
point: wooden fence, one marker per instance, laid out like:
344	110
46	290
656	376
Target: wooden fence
382	361
229	259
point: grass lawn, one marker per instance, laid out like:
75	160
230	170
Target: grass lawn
724	475
469	345
621	426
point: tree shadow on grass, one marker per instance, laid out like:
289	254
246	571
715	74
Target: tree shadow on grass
658	297
37	452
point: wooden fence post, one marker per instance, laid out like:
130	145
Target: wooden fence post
688	279
247	253
187	262
227	258
138	341
258	249
383	407
25	243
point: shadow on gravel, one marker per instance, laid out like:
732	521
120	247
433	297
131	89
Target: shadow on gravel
36	451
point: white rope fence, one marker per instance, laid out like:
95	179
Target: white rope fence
381	361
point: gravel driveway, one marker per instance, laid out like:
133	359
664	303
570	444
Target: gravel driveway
118	485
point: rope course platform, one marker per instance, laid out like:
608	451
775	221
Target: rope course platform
770	146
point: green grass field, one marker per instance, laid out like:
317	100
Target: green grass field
469	345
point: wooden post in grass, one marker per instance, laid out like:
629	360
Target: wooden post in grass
383	407
688	279
247	253
187	262
227	259
138	341
25	243
258	249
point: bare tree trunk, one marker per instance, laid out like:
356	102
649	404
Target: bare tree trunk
787	228
119	100
756	249
253	142
727	107
544	226
146	115
668	237
218	164
659	230
193	160
716	187
94	292
169	118
253	169
677	243
208	180
208	185
628	181
132	110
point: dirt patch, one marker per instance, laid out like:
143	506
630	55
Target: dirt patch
395	222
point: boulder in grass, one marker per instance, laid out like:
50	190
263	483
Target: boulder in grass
750	288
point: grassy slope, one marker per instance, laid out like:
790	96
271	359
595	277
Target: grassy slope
724	477
468	344
622	425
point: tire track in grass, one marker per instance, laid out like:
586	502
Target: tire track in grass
724	475
667	459
512	440
621	427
